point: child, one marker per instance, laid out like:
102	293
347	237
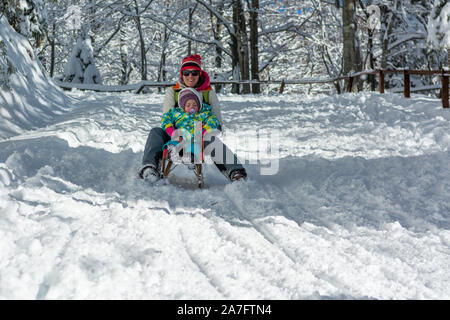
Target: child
192	117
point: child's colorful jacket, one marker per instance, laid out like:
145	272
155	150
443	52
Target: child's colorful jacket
177	118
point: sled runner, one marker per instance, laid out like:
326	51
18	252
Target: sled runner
191	155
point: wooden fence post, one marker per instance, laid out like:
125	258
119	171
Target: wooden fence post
381	75
350	84
406	84
444	94
282	87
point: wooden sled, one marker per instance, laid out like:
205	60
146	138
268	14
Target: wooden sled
167	165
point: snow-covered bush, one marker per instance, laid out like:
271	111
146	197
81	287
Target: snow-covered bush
80	67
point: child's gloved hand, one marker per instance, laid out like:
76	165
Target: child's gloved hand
172	148
174	152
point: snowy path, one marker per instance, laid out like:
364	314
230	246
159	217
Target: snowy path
358	208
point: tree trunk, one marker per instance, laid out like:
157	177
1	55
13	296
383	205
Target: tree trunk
242	45
162	63
358	59
256	88
123	57
235	39
162	72
235	88
217	26
52	50
386	35
191	13
372	79
142	44
94	24
448	59
351	53
370	33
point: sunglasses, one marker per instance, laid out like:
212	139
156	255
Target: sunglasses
193	72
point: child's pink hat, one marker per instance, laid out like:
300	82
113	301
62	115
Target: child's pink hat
189	93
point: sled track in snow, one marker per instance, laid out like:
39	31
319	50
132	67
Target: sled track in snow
49	278
345	288
215	283
212	280
237	240
268	236
228	236
299	205
262	230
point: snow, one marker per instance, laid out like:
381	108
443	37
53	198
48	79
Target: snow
30	99
357	209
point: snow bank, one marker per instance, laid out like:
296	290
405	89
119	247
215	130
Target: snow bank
28	98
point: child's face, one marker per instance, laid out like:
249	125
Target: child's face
191	104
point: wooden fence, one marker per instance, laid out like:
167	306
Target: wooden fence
445	74
282	83
138	87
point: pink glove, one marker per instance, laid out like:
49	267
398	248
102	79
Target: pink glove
170	131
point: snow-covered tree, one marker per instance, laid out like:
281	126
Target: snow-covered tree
80	67
324	49
28	17
401	40
277	39
6	68
439	28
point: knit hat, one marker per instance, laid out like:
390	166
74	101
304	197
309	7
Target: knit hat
193	61
189	93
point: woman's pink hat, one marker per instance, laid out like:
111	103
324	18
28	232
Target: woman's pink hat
192	62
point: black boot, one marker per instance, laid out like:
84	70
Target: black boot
237	175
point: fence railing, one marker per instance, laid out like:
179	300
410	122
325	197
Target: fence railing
138	87
445	74
282	83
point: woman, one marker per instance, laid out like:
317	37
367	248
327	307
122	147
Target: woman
191	76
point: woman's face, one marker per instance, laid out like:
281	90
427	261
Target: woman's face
190	80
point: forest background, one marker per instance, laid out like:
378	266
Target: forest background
118	42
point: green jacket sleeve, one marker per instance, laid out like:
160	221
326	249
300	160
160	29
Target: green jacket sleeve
167	120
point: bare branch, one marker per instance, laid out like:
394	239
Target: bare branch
226	23
100	48
289	27
185	35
